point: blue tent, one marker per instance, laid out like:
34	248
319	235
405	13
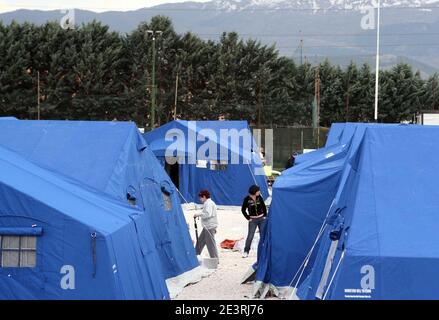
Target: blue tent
60	240
112	158
381	238
334	134
228	183
302	198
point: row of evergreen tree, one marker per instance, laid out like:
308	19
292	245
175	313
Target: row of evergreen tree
92	73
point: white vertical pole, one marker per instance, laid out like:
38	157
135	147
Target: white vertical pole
377	68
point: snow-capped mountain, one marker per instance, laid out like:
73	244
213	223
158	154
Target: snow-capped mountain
325	28
239	5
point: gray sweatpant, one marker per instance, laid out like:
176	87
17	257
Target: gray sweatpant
207	238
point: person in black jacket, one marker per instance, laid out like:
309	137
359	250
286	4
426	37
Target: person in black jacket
291	161
255	211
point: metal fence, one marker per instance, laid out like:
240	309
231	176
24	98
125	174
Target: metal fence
287	140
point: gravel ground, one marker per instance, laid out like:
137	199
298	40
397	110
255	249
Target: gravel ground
224	284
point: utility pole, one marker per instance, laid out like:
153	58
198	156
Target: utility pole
176	97
301	47
377	67
316	105
154	34
259	102
38	94
348	87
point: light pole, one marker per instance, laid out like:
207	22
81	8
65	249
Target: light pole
154	34
377	67
38	95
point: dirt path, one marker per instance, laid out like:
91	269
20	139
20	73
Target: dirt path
224	284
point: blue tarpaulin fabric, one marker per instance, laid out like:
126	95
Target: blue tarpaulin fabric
388	248
229	186
64	215
303	196
112	158
29	231
334	134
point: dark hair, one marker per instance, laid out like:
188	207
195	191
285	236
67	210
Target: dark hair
253	189
204	193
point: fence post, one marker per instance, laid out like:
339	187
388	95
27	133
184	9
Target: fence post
301	139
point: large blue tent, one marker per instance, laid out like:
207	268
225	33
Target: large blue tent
227	182
381	236
62	240
302	199
114	159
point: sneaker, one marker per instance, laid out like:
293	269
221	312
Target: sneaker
245	255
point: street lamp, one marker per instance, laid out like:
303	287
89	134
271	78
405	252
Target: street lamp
377	66
154	34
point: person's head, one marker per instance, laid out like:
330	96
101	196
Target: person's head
221	117
254	190
204	195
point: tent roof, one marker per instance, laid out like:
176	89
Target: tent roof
92	151
340	134
334	134
158	144
67	197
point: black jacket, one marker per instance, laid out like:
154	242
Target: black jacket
251	209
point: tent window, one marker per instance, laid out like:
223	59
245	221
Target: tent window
201	164
167	201
218	165
18	251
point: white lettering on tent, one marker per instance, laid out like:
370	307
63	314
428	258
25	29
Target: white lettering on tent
68	280
368	280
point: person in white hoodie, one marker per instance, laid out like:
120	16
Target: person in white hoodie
209	222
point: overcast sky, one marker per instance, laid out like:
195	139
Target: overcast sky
95	5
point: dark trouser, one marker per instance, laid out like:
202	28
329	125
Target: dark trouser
207	237
252	224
